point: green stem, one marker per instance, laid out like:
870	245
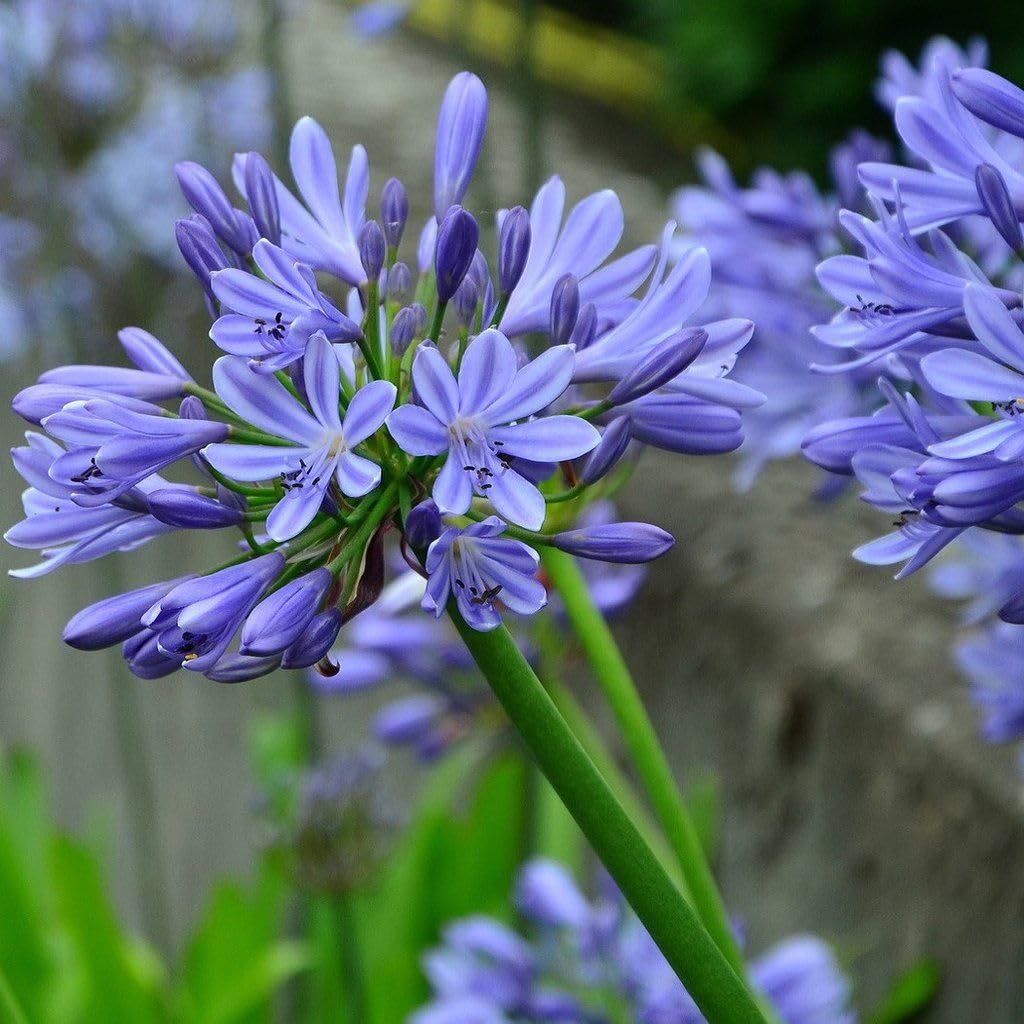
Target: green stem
377	513
672	923
351	961
642	742
10	1009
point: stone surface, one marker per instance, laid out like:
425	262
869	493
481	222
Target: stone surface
860	803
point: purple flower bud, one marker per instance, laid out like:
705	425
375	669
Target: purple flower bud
423	525
237	668
427	246
421	316
316	641
117	380
408	720
145	658
663	363
992	98
372	250
513	248
114	619
195	622
403	330
184	508
998	205
612	446
565	309
399	283
206	197
394	211
547	895
149	353
466	300
191	408
201	250
261	192
626	543
280	619
586	327
38	401
460	133
457	239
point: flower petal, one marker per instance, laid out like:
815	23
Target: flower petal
294	512
417	430
535	386
368	410
249	462
488	368
550	439
357	476
263	401
962	374
993	326
516	499
453	490
435	384
322	375
316	174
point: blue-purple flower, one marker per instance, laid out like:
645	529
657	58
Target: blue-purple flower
482	421
319	443
584	960
479	567
494	391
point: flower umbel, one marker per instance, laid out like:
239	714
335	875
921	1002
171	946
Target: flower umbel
345	416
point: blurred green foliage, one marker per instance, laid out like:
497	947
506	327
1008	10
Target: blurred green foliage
66	959
785	80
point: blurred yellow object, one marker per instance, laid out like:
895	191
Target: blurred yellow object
567	52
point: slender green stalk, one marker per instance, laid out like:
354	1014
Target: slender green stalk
672	923
551	649
10	1009
351	962
642	742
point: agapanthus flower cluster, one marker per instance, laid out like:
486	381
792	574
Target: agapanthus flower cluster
931	310
96	99
457	410
765	242
592	961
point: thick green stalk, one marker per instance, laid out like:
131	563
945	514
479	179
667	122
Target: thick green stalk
672	923
347	935
642	742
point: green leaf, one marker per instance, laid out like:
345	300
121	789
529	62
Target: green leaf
25	950
114	988
704	801
234	954
251	990
909	995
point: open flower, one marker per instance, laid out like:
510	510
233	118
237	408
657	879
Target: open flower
472	419
480	567
319	447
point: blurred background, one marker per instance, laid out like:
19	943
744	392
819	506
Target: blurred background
858	801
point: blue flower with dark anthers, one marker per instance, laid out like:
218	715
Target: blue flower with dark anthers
66	532
290	445
474	419
592	961
319	446
275	315
479	568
